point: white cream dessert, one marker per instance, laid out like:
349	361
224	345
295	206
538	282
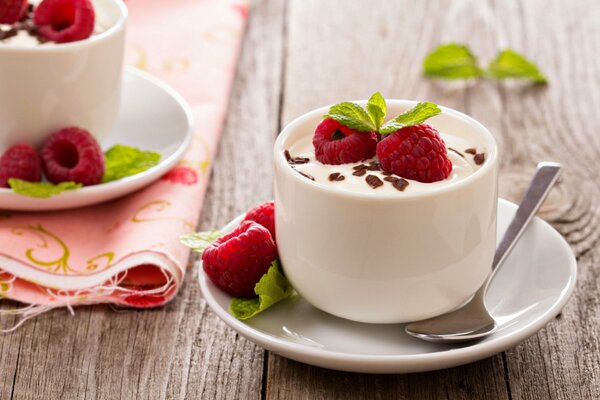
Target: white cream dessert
461	152
23	34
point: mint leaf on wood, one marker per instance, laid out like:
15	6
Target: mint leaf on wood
377	109
272	288
123	161
451	61
510	64
40	190
415	116
198	241
353	116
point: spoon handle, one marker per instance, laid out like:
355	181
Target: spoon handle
545	177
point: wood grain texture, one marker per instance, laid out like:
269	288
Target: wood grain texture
302	54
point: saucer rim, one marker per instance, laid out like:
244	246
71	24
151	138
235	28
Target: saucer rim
369	363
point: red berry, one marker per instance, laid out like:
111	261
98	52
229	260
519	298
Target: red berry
20	161
63	21
237	261
337	144
180	174
72	154
415	152
264	215
12	11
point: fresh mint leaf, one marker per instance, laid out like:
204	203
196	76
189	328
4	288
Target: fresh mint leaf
272	288
123	161
510	64
40	190
377	109
198	241
415	116
353	116
451	61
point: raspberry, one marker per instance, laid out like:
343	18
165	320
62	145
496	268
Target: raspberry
63	21
415	152
237	261
180	174
72	154
20	161
265	216
12	11
337	144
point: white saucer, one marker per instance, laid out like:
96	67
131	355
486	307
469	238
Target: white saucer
152	117
529	291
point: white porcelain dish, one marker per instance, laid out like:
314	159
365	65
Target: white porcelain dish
152	116
529	291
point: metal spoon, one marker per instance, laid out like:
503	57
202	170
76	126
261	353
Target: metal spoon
473	321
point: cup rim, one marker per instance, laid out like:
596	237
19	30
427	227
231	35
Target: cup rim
490	163
59	47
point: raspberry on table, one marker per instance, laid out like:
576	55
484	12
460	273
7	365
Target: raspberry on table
72	154
236	262
12	11
415	152
63	21
337	144
20	161
263	215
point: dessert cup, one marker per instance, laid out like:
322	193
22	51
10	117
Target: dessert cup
51	86
387	258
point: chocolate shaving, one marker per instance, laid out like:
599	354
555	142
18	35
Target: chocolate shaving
386	173
471	150
359	167
294	160
8	34
305	175
374	181
360	172
479	158
374	166
400	184
336	177
457	152
391	179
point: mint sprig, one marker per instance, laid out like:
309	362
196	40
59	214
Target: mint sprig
414	116
456	61
122	161
451	61
272	288
40	190
510	64
199	241
370	118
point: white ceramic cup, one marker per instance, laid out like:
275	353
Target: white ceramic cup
387	259
53	86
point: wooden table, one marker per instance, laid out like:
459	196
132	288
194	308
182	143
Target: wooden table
301	54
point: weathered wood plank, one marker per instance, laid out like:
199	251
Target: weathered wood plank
366	48
181	350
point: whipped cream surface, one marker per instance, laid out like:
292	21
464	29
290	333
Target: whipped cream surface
463	165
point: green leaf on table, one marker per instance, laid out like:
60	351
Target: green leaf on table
415	116
377	109
123	161
198	241
272	288
353	116
510	64
40	190
451	61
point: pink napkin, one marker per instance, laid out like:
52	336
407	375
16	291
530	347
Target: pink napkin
127	251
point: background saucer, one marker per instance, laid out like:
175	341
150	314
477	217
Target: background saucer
530	290
152	116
